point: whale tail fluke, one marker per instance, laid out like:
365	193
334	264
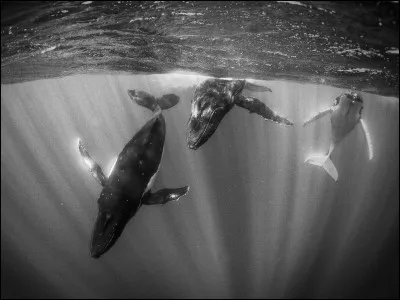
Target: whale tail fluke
168	101
325	162
154	104
143	99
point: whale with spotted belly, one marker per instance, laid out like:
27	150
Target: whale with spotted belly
129	184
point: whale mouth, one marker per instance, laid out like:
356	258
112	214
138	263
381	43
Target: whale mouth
105	232
196	144
210	126
96	253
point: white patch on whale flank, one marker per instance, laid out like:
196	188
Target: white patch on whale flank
153	178
112	168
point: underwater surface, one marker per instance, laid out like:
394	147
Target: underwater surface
257	222
339	43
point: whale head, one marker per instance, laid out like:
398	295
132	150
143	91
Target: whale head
110	222
208	109
351	102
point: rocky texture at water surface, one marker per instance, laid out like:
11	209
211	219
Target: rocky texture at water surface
344	44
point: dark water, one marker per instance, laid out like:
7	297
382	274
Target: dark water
257	222
342	44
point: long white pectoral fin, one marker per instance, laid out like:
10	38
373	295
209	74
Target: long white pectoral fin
94	167
368	139
317	116
324	162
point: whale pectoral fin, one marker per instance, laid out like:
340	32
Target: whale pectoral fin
94	167
255	87
318	115
254	105
165	195
368	139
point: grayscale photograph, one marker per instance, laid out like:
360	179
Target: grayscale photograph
200	149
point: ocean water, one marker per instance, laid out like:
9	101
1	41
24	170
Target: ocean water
257	222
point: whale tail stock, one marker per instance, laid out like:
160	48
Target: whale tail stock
325	162
154	104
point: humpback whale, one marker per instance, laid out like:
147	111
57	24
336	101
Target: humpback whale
345	113
129	184
214	98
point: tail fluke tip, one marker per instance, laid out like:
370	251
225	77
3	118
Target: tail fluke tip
325	162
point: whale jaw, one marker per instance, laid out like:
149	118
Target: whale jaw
201	128
107	229
114	212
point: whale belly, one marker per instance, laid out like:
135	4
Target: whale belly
343	120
